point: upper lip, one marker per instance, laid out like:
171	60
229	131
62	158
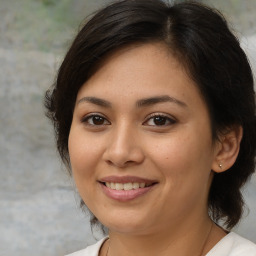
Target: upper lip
127	179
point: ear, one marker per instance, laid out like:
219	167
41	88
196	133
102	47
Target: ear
227	149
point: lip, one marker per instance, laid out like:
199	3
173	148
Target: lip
127	179
126	195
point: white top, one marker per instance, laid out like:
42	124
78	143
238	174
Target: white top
231	245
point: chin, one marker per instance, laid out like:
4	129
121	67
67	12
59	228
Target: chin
124	225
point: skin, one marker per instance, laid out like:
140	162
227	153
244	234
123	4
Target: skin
179	154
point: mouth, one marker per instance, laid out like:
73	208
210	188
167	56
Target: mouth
126	188
126	182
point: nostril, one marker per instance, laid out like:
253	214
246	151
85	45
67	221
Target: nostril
109	162
120	164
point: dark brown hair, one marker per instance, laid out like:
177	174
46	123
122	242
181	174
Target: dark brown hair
201	40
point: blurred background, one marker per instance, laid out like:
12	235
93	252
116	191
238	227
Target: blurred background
39	207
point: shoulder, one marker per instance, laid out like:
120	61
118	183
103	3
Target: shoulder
233	245
92	250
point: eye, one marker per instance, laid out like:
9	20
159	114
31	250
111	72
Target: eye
159	120
95	120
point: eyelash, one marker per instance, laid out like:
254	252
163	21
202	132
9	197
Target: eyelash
164	117
167	118
87	118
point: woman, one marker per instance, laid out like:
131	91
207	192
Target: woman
154	113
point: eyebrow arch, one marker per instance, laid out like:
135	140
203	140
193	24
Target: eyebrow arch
159	99
96	101
140	103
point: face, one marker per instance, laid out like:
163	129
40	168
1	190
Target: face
140	144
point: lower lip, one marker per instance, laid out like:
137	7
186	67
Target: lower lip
125	195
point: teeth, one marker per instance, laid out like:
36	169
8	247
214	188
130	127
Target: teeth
142	185
128	186
135	185
118	186
125	186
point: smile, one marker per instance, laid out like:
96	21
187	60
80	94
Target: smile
125	188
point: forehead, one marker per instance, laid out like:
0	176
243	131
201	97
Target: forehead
150	68
138	52
147	50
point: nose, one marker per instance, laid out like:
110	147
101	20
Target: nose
124	148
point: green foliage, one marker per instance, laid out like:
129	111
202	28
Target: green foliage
49	25
49	2
45	25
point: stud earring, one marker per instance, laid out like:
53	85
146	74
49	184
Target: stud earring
220	165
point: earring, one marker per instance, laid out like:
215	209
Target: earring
220	165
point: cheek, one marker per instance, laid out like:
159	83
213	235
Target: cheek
83	159
83	154
173	151
182	158
184	164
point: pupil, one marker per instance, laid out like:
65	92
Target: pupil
98	120
159	120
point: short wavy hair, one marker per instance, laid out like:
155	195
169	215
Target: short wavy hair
199	37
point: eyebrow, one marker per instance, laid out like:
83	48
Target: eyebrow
140	103
159	99
96	101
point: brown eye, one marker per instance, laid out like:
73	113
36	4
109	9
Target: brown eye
159	120
95	120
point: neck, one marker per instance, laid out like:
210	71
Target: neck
181	240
